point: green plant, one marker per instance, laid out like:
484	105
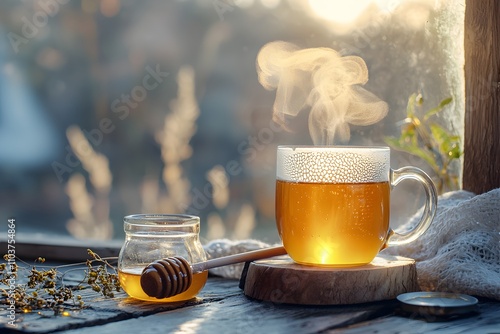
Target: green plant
424	138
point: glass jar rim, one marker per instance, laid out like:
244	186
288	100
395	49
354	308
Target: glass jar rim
161	222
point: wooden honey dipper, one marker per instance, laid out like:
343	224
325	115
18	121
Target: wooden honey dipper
172	276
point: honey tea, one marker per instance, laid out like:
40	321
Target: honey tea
333	203
332	224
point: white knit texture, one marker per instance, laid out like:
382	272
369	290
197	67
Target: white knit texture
224	247
461	250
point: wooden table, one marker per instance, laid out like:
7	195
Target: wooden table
221	307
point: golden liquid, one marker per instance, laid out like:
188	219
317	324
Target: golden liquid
131	283
329	224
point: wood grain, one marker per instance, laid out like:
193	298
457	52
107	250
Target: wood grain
481	171
283	281
221	307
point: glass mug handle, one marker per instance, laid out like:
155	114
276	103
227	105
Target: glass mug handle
430	205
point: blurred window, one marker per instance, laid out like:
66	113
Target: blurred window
115	107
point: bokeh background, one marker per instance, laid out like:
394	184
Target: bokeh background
115	107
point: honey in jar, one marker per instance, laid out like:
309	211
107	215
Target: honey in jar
130	281
152	237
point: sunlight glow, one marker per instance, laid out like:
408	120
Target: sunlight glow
339	11
243	3
270	3
194	325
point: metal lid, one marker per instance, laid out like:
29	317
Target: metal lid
437	303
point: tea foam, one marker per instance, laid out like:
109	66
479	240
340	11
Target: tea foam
333	164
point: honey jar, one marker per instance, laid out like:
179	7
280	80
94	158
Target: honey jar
150	237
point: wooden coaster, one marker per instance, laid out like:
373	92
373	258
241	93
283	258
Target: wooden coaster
281	280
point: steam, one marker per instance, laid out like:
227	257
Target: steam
323	80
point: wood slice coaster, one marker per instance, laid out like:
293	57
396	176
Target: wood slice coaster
281	280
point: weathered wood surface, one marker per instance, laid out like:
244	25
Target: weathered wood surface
487	321
481	171
222	307
283	281
100	310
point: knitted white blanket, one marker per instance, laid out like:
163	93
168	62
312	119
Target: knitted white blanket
461	250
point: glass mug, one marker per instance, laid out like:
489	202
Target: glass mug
333	203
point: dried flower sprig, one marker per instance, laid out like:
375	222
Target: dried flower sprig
41	291
45	288
99	279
